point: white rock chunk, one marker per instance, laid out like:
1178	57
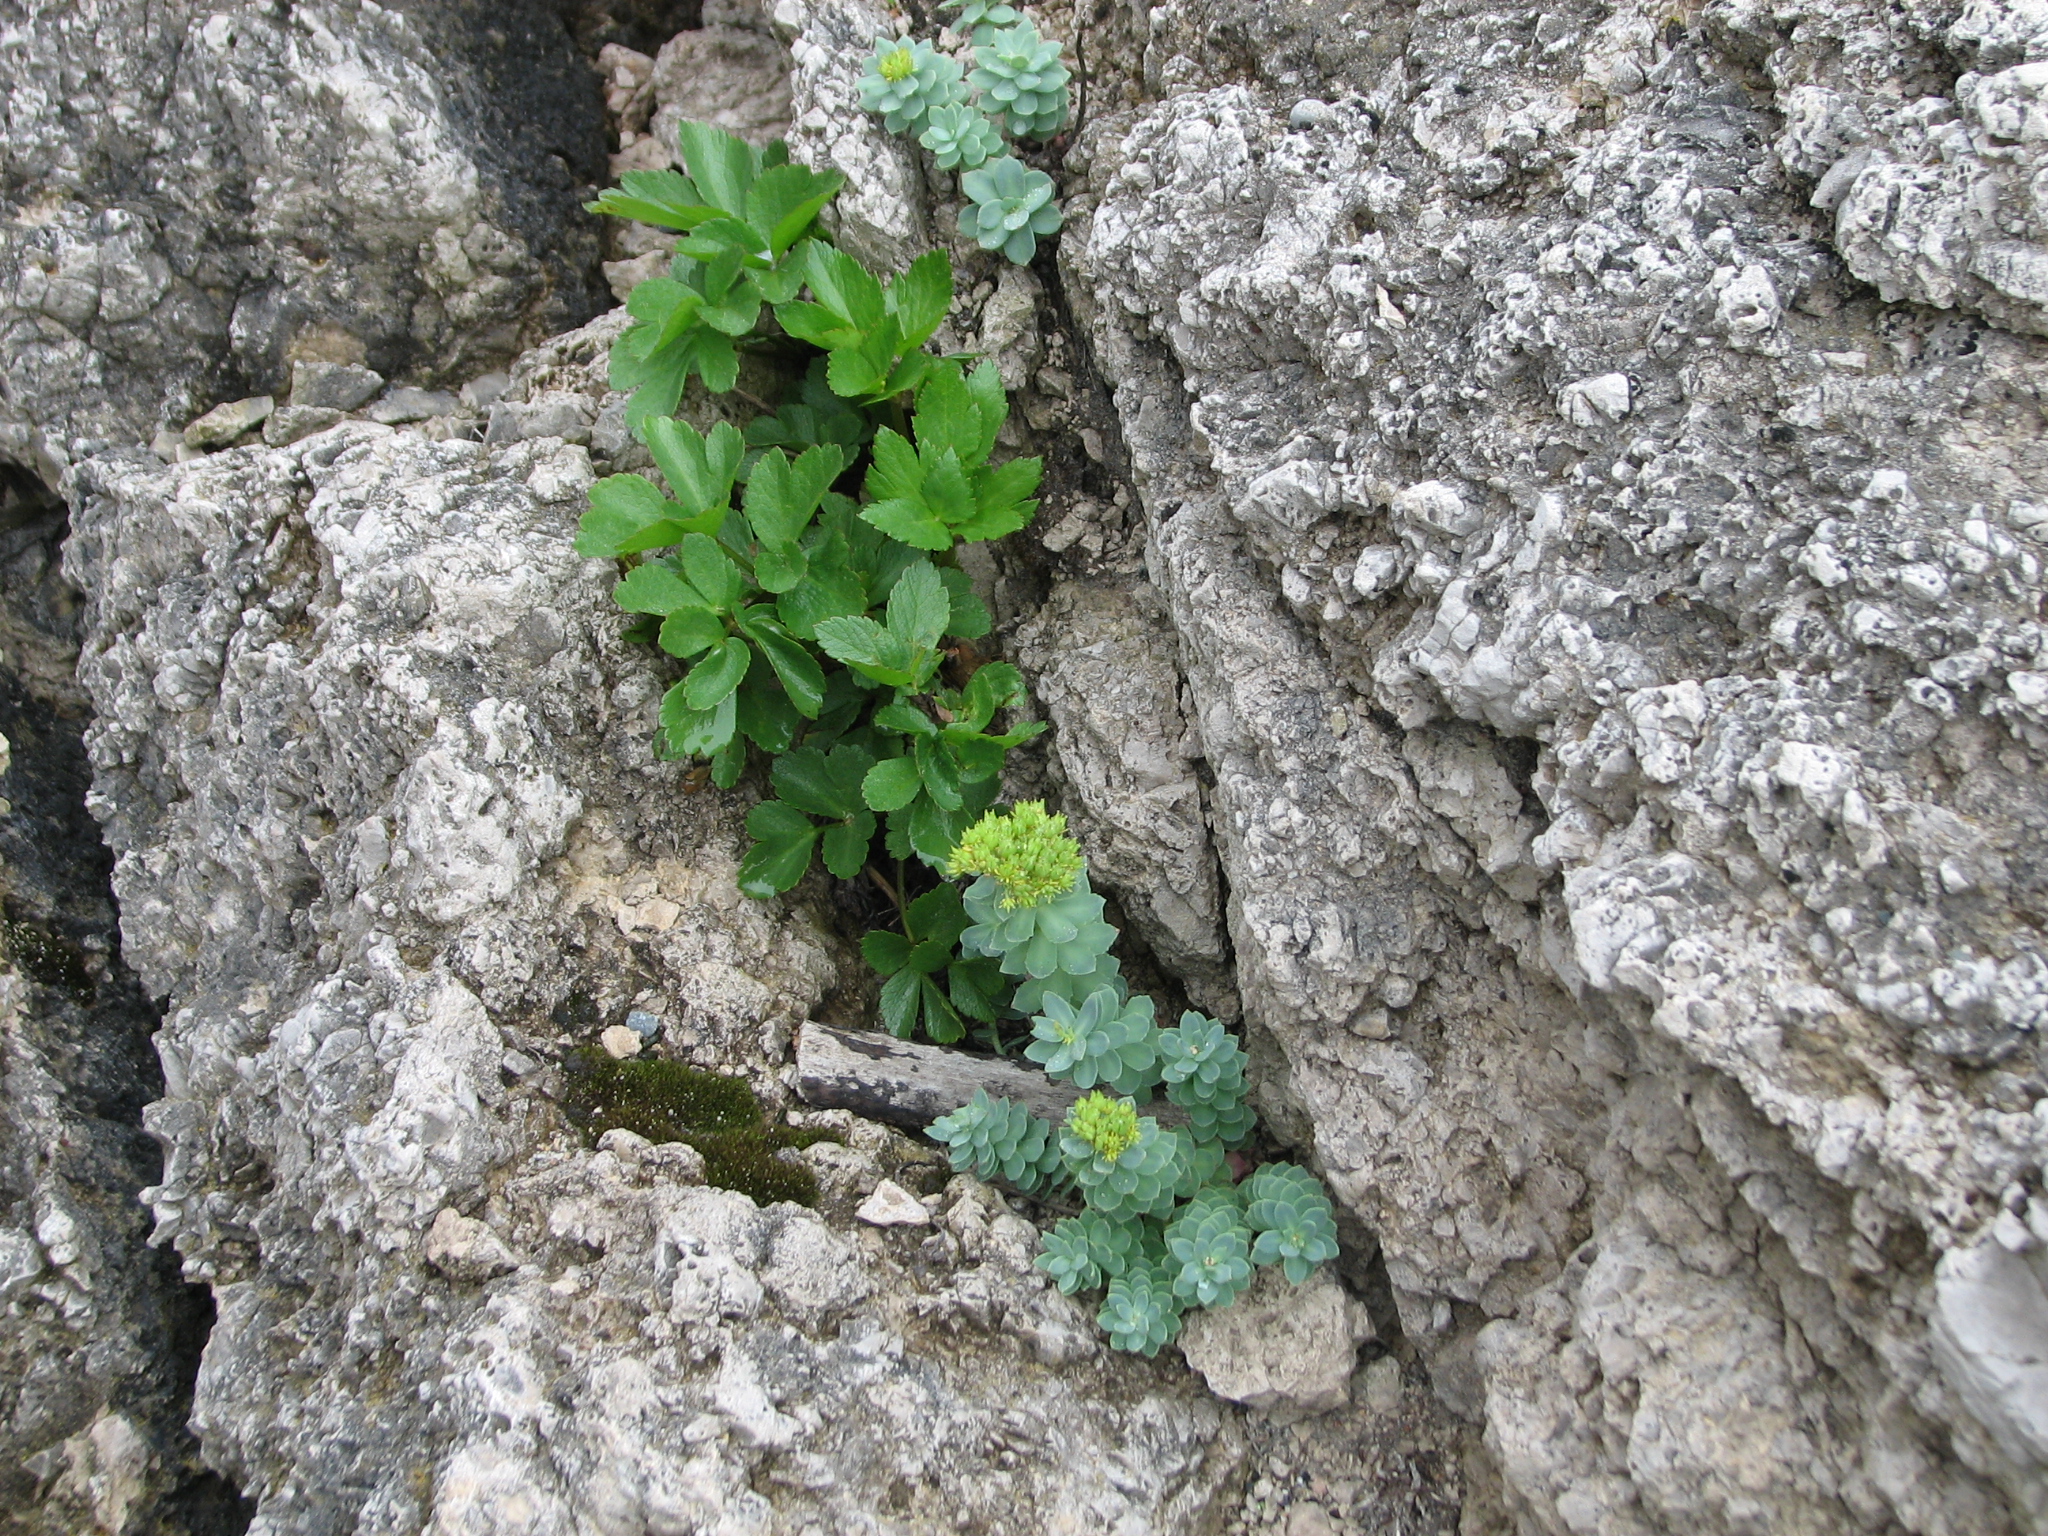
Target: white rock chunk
891	1205
1284	1349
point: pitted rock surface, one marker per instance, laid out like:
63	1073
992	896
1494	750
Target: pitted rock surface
196	196
392	838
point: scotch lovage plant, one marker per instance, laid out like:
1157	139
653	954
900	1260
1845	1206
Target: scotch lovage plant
804	565
1165	1227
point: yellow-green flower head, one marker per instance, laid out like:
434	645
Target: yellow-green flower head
897	65
1108	1125
1027	853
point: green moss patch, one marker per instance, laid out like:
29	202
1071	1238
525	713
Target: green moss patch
718	1115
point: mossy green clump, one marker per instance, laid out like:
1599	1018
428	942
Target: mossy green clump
718	1115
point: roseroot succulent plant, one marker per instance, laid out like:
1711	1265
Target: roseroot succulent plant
1085	1250
1027	853
1125	1165
1020	80
1009	207
1107	1040
1203	1069
905	80
1141	1314
978	18
960	137
1296	1224
1208	1249
998	1138
1066	933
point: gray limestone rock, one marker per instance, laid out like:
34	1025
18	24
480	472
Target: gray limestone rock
1286	1350
334	386
199	196
392	838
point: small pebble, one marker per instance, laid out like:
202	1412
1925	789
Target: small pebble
224	423
891	1205
409	404
620	1041
641	1022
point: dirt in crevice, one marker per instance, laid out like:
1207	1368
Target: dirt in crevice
79	1068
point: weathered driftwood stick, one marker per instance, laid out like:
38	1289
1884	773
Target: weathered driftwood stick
882	1078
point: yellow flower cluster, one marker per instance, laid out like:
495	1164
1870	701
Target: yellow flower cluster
1108	1125
1027	853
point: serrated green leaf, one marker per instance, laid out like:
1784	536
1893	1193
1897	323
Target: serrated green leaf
665	199
886	952
845	846
919	607
830	593
911	370
891	784
976	755
896	472
937	914
868	648
690	632
992	403
699	467
711	572
970	619
906	718
941	1023
772	821
766	717
920	297
824	783
801	676
784	200
696	732
627	514
947	493
722	166
845	287
900	1003
728	762
655	588
976	987
948	417
778	567
930	956
783	494
772	868
861	371
940	773
909	522
713	679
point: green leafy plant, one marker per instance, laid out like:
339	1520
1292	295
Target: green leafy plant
929	982
744	214
960	137
1164	1227
803	566
1019	79
1009	207
904	81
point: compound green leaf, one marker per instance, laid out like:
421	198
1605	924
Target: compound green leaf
845	846
868	648
802	678
766	717
696	732
909	522
886	952
970	619
900	1002
722	166
919	607
711	572
785	199
699	467
690	632
627	514
921	296
661	198
713	679
655	588
778	567
891	784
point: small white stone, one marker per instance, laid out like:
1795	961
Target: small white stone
1594	402
891	1205
620	1041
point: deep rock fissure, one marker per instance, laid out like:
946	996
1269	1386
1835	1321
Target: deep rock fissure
97	1375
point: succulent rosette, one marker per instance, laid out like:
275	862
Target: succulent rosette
1021	81
904	81
960	137
1010	206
